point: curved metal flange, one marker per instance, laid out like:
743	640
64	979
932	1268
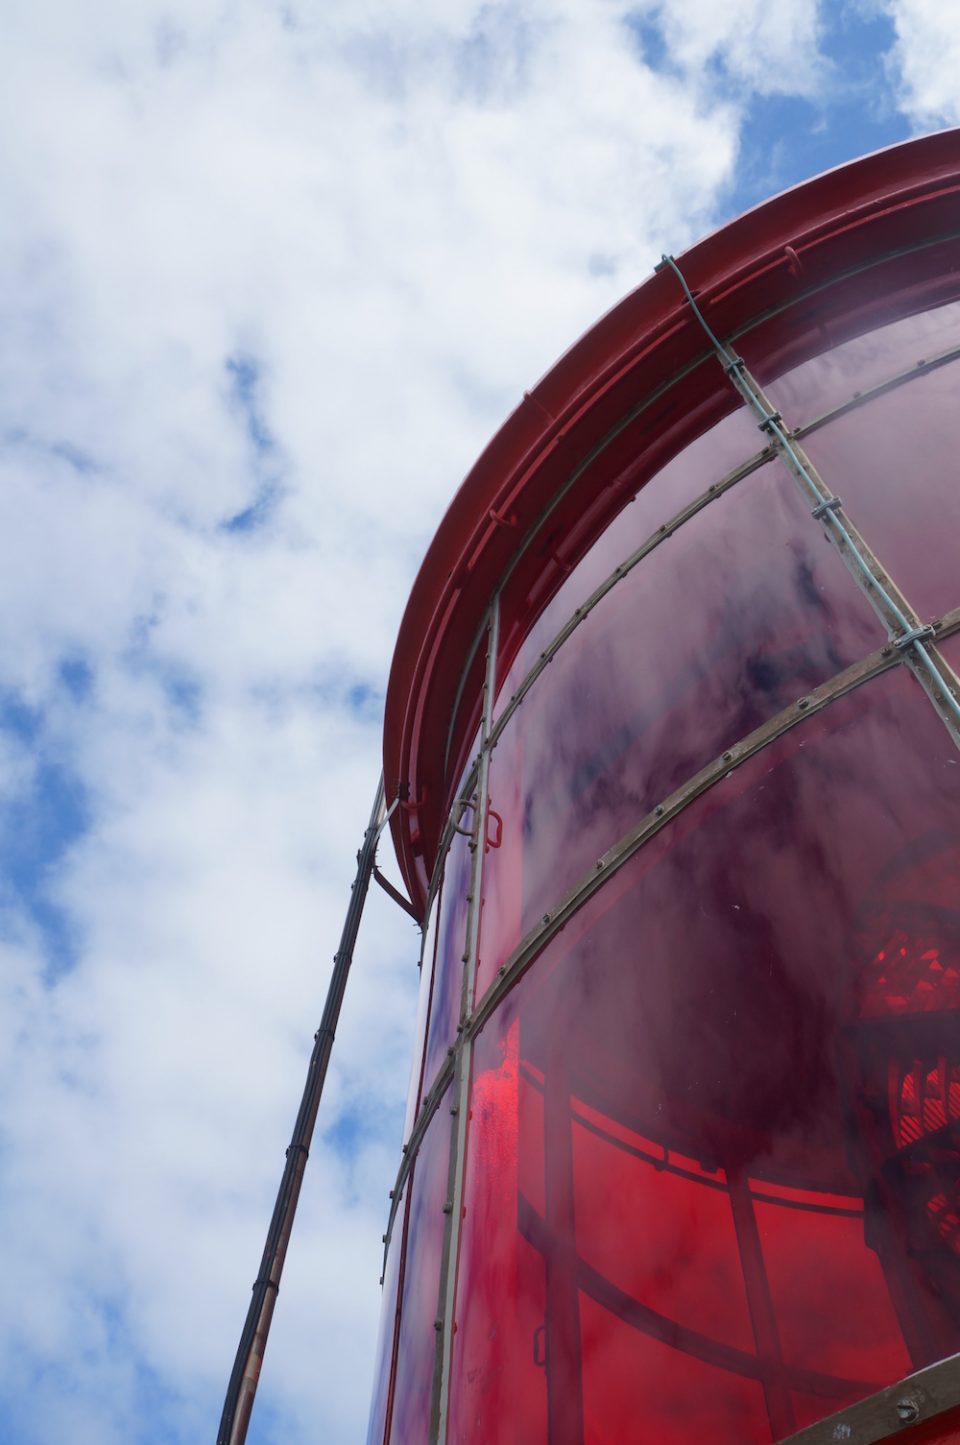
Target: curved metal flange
884	1416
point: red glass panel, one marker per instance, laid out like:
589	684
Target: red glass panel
944	1430
386	1338
706	460
417	1343
415	1089
661	1394
893	462
714	1145
498	1389
835	377
451	938
742	611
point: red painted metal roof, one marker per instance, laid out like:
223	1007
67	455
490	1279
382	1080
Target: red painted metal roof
840	254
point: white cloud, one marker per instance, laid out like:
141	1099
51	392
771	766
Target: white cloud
399	214
926	58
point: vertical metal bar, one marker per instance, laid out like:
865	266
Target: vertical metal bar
460	1090
564	1355
253	1341
763	1317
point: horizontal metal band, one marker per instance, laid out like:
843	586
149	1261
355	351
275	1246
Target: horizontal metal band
917	1398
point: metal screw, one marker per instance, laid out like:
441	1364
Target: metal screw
546	918
885	651
438	1325
908	1410
803	703
659	810
727	757
448	1207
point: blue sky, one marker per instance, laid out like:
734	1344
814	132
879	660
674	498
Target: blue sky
271	276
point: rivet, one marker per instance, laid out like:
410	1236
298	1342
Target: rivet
659	810
383	1239
885	651
727	757
907	1410
546	918
438	1325
448	1207
803	703
599	862
502	970
391	1193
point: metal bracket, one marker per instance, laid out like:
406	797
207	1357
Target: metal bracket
916	634
396	895
832	504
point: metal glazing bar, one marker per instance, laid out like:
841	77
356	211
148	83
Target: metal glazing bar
460	805
894	611
471	654
836	687
880	388
918	1398
253	1340
464	1054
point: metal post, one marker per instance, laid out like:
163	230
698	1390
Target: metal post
253	1341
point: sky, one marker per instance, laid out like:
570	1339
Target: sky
271	274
